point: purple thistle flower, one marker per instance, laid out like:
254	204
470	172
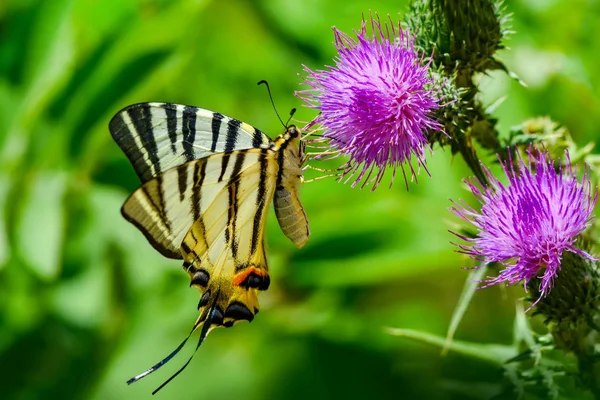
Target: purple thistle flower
376	103
528	224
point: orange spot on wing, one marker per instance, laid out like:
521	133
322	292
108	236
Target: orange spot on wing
241	277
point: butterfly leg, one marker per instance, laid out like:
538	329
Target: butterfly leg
318	178
327	170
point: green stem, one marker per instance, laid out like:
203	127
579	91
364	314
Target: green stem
589	371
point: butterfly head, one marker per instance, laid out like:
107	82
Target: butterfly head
290	139
292	132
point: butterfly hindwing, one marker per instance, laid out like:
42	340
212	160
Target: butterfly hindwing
164	208
159	136
224	251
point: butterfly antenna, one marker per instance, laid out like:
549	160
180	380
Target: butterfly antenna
292	112
273	103
205	329
163	361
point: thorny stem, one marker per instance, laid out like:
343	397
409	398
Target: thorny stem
463	140
471	159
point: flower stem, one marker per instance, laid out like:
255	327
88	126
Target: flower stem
589	371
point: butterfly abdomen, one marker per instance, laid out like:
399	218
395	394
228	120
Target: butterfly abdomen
291	217
286	201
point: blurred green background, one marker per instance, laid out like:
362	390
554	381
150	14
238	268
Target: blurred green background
86	302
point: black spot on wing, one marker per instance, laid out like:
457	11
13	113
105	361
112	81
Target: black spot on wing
232	191
171	113
217	318
189	131
233	130
182	173
198	180
224	163
233	202
257	138
186	249
255	281
162	207
239	311
204	299
124	138
156	207
200	278
141	118
216	128
260	200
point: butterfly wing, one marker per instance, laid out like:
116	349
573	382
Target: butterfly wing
207	180
159	136
223	251
216	225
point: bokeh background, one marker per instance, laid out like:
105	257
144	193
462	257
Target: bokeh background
86	303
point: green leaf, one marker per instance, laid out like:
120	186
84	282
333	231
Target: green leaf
9	101
522	332
49	66
493	353
4	245
40	229
51	60
463	303
84	300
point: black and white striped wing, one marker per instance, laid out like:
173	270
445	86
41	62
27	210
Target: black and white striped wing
159	136
165	207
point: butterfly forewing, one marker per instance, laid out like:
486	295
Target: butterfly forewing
159	136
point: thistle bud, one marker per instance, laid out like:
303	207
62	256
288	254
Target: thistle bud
465	33
570	310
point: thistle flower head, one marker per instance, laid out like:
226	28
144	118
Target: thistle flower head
527	225
376	103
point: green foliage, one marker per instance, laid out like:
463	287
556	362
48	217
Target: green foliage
87	303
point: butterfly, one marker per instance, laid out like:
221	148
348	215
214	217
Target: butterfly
207	182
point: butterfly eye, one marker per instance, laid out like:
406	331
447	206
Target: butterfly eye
293	132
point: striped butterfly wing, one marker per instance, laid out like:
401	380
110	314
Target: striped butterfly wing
223	222
220	223
159	136
224	251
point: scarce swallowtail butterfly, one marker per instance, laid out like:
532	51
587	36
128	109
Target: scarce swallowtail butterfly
207	181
